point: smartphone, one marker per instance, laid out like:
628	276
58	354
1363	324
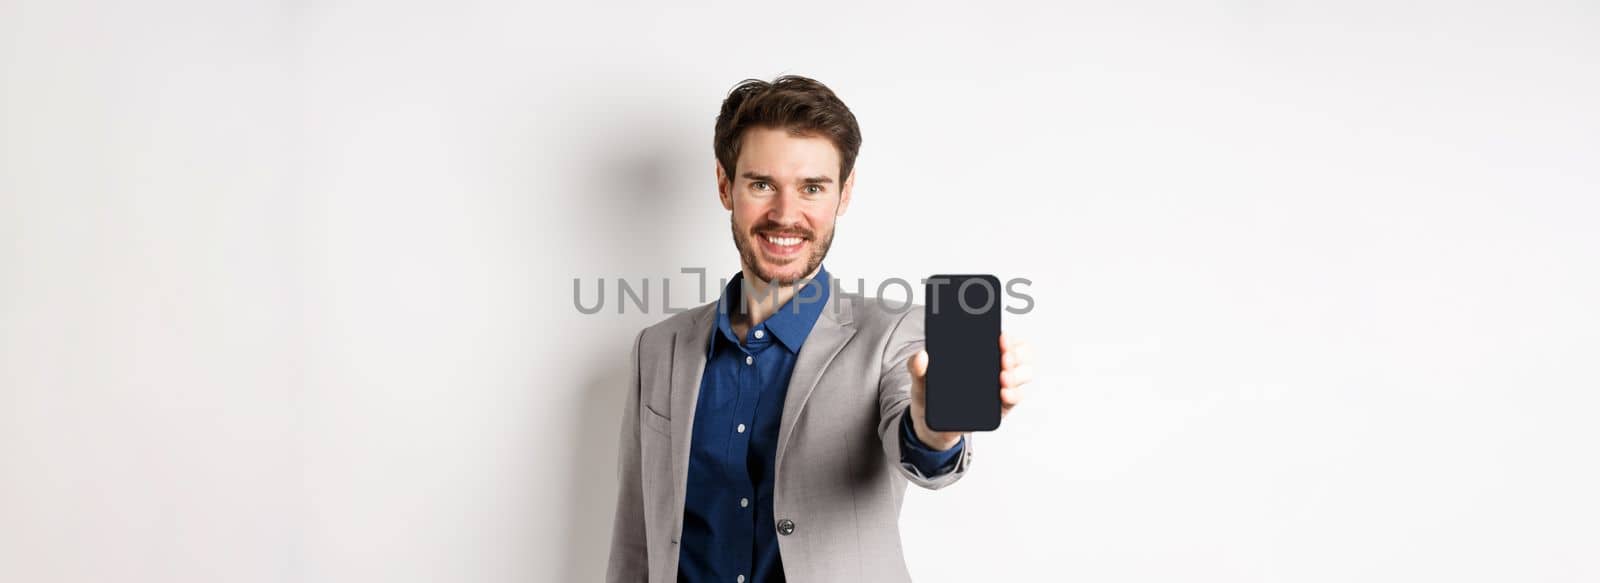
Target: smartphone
963	341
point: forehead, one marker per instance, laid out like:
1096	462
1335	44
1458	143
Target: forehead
774	152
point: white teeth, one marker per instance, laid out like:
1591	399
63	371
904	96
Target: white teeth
783	241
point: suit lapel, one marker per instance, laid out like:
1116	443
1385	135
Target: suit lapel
688	365
833	329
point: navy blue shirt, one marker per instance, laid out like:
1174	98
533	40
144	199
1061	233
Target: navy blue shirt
728	528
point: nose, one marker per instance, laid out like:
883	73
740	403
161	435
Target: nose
785	209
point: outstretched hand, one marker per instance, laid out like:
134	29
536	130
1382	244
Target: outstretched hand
1016	370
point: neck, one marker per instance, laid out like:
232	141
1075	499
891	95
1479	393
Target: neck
762	298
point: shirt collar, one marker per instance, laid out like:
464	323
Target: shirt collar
790	324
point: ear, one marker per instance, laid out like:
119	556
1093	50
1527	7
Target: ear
724	188
844	192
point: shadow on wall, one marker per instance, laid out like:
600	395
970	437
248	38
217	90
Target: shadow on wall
639	173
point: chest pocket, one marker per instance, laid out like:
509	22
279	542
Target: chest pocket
655	380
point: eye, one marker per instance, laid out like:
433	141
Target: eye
758	185
813	189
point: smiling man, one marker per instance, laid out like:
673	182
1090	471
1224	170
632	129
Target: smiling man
770	435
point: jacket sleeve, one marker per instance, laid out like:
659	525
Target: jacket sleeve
629	560
894	401
928	461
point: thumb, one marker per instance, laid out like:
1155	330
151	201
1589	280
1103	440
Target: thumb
918	364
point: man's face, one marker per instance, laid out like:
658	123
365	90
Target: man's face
784	200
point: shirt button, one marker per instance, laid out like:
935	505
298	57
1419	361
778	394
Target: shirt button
741	579
744	502
749	359
760	333
741	428
785	527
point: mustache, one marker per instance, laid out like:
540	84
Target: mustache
783	231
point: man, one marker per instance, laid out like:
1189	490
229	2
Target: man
770	435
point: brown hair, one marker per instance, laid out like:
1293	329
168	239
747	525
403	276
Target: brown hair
801	105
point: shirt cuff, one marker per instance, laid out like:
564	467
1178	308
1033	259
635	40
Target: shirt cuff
931	463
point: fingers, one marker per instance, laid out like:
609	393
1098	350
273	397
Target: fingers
1010	397
1014	353
1016	377
1016	370
1011	389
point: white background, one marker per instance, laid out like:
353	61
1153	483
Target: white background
286	288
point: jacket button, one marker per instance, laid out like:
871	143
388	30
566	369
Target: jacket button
785	527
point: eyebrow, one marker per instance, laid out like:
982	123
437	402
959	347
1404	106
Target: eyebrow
806	180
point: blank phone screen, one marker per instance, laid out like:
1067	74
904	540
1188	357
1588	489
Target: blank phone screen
963	342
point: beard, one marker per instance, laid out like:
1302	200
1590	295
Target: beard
748	255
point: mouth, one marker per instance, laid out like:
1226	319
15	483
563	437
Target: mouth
781	245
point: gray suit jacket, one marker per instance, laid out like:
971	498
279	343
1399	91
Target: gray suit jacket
838	478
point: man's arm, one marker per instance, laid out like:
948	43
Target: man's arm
928	461
894	401
629	561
